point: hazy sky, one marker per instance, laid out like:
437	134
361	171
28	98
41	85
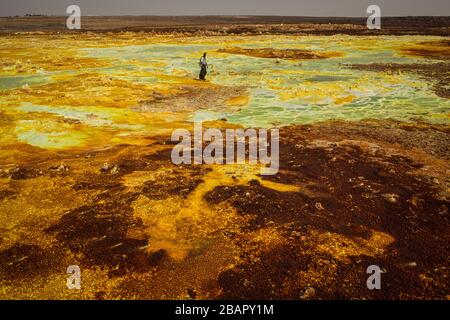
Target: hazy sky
228	7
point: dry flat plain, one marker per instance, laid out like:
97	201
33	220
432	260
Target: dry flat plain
86	176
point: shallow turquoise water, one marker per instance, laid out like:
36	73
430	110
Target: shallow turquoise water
283	91
271	82
12	82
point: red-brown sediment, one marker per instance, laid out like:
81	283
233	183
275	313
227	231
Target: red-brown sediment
370	192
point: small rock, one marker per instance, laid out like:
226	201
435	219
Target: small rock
192	293
61	168
319	206
309	293
105	168
411	264
115	170
390	197
254	183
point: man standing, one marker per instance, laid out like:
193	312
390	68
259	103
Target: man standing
203	67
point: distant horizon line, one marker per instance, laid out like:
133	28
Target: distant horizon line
219	15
